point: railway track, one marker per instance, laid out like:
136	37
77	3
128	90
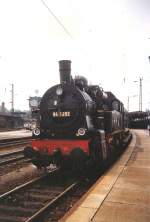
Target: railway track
30	201
11	157
14	142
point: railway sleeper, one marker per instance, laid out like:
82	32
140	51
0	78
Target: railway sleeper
34	197
18	211
38	191
32	204
5	218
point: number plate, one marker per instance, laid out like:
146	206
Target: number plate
61	114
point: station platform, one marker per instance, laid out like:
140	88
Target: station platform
122	194
15	134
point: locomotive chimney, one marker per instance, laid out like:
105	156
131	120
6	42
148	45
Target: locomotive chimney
65	71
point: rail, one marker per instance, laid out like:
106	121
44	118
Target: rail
13	142
11	157
30	201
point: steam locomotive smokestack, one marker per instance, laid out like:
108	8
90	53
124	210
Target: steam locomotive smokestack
65	71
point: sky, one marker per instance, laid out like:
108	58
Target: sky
107	41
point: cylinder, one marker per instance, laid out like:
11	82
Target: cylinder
65	71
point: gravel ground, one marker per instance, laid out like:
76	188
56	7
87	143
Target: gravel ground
18	176
16	166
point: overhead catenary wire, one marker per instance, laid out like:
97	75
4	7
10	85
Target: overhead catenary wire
57	20
63	26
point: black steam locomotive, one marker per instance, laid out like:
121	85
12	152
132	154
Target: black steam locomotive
80	124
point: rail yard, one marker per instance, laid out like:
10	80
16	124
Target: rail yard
55	195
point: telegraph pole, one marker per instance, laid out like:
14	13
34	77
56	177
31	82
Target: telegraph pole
140	95
128	101
12	97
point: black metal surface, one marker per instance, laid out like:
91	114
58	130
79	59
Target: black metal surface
73	101
65	71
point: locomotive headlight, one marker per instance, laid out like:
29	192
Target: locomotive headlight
59	91
81	131
36	132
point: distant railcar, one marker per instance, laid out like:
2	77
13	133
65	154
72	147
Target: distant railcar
139	119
